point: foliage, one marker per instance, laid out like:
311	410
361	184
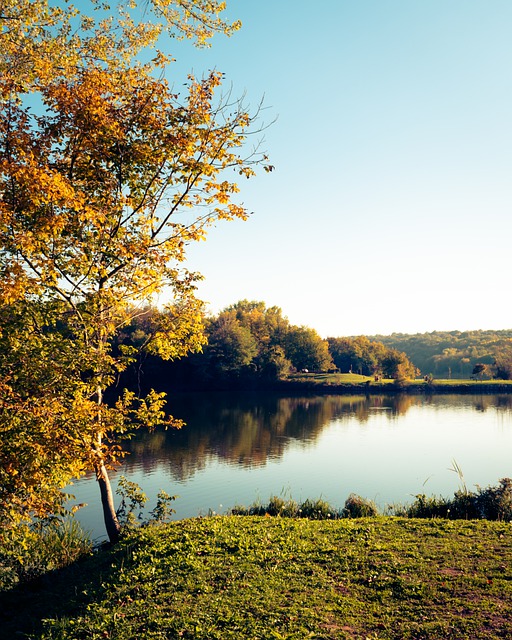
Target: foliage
42	40
163	511
358	507
250	340
41	414
102	187
32	550
250	343
231	345
427	507
318	509
306	350
130	512
480	370
357	355
489	503
503	361
370	358
453	354
236	577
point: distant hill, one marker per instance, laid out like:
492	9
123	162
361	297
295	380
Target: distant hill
451	354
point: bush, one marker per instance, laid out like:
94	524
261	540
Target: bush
29	551
428	507
276	507
317	510
495	503
358	507
491	503
313	509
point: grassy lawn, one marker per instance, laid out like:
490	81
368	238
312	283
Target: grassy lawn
355	379
273	578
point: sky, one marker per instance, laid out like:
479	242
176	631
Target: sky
390	206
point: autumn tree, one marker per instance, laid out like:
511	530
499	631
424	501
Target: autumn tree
503	361
101	190
231	346
396	365
307	350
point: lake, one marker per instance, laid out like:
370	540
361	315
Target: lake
244	448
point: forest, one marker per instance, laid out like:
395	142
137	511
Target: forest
455	354
249	343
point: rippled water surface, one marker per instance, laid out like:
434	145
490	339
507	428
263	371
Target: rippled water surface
236	450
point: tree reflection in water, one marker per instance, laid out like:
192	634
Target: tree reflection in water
249	430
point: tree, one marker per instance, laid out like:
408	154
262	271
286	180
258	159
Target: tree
503	361
269	328
99	197
231	346
357	355
396	365
41	40
479	370
306	349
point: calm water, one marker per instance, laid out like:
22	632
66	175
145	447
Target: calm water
236	450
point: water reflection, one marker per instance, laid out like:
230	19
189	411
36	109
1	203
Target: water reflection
249	432
235	450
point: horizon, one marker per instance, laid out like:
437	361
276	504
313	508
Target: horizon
370	335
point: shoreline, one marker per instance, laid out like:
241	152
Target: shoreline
385	388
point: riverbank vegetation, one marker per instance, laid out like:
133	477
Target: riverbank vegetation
270	577
249	344
454	354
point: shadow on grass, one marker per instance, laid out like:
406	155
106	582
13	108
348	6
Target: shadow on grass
60	594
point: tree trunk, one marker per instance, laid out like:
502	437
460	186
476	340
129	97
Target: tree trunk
107	501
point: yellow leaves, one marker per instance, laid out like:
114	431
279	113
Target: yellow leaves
178	330
95	189
99	199
41	40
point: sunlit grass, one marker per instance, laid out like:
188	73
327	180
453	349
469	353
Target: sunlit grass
270	577
359	380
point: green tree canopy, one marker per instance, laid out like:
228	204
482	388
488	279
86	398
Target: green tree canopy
307	350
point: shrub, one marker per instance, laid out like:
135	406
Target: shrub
358	507
429	507
313	509
280	507
491	503
317	510
276	507
29	551
495	503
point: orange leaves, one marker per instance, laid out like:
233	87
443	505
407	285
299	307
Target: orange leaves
95	192
41	40
100	195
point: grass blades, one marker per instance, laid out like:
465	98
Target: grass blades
267	577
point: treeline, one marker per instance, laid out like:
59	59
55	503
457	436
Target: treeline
250	343
456	354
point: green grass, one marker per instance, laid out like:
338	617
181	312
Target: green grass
342	379
243	577
453	381
332	378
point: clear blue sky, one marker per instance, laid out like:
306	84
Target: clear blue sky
390	209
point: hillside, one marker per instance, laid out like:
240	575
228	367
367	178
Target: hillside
451	354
